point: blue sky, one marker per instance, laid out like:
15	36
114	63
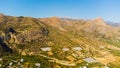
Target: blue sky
83	9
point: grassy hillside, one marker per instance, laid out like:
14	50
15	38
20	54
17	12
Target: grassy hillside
27	38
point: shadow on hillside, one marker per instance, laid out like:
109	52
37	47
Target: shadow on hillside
4	46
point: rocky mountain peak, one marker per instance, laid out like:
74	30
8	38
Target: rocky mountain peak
99	21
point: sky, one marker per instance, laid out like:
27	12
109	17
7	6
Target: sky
109	10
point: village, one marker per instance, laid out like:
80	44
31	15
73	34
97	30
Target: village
70	61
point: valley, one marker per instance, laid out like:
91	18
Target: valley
54	42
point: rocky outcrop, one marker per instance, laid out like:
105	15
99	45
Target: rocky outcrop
32	34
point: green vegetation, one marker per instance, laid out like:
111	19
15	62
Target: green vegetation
115	42
33	34
115	52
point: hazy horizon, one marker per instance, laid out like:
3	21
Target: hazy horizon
78	9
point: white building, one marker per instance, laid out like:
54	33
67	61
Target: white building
37	64
84	66
65	49
21	60
90	60
77	48
46	49
10	64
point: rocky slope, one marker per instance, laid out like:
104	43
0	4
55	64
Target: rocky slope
96	26
58	42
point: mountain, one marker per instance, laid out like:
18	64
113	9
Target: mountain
113	23
58	43
96	26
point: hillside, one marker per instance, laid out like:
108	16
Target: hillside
58	43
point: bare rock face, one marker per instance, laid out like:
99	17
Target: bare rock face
98	26
99	21
32	34
53	21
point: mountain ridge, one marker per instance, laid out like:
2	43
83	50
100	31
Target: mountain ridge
52	42
97	24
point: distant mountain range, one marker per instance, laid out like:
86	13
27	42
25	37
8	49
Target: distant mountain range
113	23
